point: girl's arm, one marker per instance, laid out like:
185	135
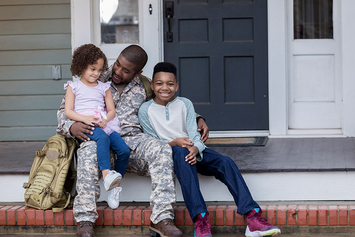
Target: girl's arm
71	114
110	106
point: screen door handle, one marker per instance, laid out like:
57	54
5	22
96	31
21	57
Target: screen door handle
169	13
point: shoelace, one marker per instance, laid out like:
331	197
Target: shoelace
203	226
168	222
116	192
262	220
85	224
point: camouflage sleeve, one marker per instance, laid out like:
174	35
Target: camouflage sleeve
64	123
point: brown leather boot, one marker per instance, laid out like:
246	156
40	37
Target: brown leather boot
85	229
164	228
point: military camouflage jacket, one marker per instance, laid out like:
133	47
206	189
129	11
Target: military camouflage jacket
127	106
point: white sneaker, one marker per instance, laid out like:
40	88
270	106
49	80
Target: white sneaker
112	180
113	198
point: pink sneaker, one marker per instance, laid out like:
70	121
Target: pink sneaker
202	226
258	226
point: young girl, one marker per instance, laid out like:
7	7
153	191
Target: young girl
172	119
90	101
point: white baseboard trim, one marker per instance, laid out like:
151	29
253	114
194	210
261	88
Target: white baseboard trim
261	133
316	132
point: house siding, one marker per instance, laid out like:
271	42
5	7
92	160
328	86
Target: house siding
34	36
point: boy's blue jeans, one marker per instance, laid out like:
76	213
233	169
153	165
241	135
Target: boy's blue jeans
214	164
104	142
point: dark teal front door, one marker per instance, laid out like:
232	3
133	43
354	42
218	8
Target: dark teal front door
220	50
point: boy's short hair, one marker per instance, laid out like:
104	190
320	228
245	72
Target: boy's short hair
136	55
164	67
84	56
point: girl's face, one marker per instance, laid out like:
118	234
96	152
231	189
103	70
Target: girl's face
164	86
92	72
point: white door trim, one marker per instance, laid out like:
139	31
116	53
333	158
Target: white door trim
277	21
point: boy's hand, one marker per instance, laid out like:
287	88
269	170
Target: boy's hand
191	158
90	120
182	142
103	123
203	129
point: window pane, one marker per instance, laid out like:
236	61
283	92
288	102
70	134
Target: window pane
119	21
313	19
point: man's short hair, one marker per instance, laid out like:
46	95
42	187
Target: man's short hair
164	67
136	55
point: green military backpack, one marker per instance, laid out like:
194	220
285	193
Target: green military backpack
146	83
52	175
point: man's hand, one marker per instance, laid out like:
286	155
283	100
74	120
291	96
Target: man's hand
78	130
181	142
191	158
203	129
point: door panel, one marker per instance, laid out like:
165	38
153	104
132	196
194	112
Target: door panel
220	50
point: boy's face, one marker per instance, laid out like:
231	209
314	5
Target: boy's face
164	86
123	71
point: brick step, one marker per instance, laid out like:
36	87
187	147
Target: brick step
223	218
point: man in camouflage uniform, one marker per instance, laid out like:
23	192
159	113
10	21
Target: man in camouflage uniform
149	156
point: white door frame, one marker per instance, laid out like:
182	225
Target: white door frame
84	28
278	69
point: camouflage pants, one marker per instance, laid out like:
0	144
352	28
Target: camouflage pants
87	183
152	157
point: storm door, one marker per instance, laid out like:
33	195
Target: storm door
315	85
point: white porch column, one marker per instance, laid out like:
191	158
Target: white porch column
277	67
348	51
81	25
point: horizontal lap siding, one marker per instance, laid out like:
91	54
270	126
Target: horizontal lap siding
34	35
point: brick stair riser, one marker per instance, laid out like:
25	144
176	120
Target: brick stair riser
224	219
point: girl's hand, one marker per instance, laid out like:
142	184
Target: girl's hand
191	158
90	120
182	142
102	124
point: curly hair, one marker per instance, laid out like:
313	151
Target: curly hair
84	56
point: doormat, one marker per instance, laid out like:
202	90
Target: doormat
236	141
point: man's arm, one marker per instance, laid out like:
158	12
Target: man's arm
70	128
202	127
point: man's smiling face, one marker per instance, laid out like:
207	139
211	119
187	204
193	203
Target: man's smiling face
123	71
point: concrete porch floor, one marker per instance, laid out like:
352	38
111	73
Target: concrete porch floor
278	155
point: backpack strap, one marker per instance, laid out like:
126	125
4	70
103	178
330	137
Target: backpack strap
146	84
59	209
